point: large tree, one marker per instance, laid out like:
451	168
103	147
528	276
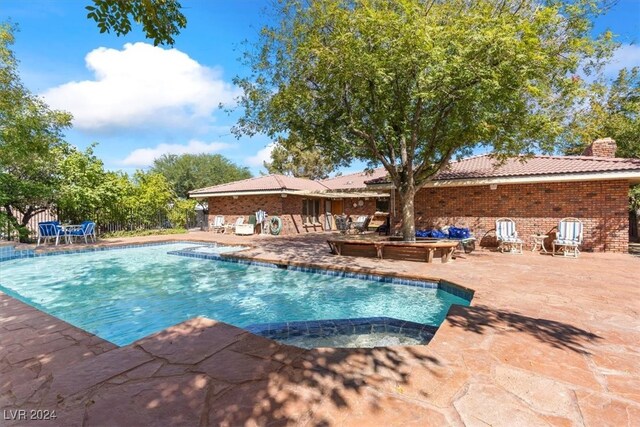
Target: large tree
291	156
31	141
411	84
611	110
84	187
160	19
187	172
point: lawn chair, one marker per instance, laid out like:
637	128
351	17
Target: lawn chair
341	223
86	230
569	237
49	230
233	226
217	226
360	224
508	236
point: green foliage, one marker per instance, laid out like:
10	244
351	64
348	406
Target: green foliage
634	196
30	142
160	19
188	172
292	157
410	84
40	171
85	187
612	110
136	233
183	210
150	199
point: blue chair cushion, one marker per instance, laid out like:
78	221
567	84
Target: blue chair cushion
422	233
459	233
433	233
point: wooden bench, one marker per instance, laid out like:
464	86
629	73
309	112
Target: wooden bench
468	244
423	250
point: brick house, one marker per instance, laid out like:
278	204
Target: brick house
536	192
303	205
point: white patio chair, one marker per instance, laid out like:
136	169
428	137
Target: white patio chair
568	238
508	236
217	225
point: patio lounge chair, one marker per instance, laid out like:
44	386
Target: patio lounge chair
341	223
569	237
360	224
86	230
217	226
508	236
49	230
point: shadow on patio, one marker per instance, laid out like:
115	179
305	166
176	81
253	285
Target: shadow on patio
210	373
480	318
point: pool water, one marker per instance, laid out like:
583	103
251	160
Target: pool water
216	249
125	294
374	339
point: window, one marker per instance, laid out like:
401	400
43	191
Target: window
382	205
310	211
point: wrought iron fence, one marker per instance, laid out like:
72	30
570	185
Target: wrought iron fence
107	221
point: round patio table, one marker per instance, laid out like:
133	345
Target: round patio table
538	240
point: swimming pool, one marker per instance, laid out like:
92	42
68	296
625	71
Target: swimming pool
122	295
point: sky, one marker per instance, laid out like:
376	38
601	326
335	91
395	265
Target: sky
138	101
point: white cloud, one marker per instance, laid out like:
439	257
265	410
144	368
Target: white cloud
626	56
145	156
142	86
261	156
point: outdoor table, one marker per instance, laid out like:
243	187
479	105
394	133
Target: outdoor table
66	229
538	239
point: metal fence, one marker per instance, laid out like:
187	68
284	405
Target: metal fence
108	221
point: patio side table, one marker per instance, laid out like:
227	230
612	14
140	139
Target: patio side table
538	240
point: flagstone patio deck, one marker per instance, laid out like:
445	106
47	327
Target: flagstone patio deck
547	341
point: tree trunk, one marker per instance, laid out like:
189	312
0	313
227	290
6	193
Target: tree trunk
407	194
23	233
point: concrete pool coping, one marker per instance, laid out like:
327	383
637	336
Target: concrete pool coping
544	342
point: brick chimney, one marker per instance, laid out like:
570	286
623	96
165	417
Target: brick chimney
605	147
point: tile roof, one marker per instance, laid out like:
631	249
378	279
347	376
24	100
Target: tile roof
478	167
354	180
484	166
263	183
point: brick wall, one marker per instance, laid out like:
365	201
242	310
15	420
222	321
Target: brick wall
601	205
289	209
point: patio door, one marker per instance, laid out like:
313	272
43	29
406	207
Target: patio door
328	217
335	207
